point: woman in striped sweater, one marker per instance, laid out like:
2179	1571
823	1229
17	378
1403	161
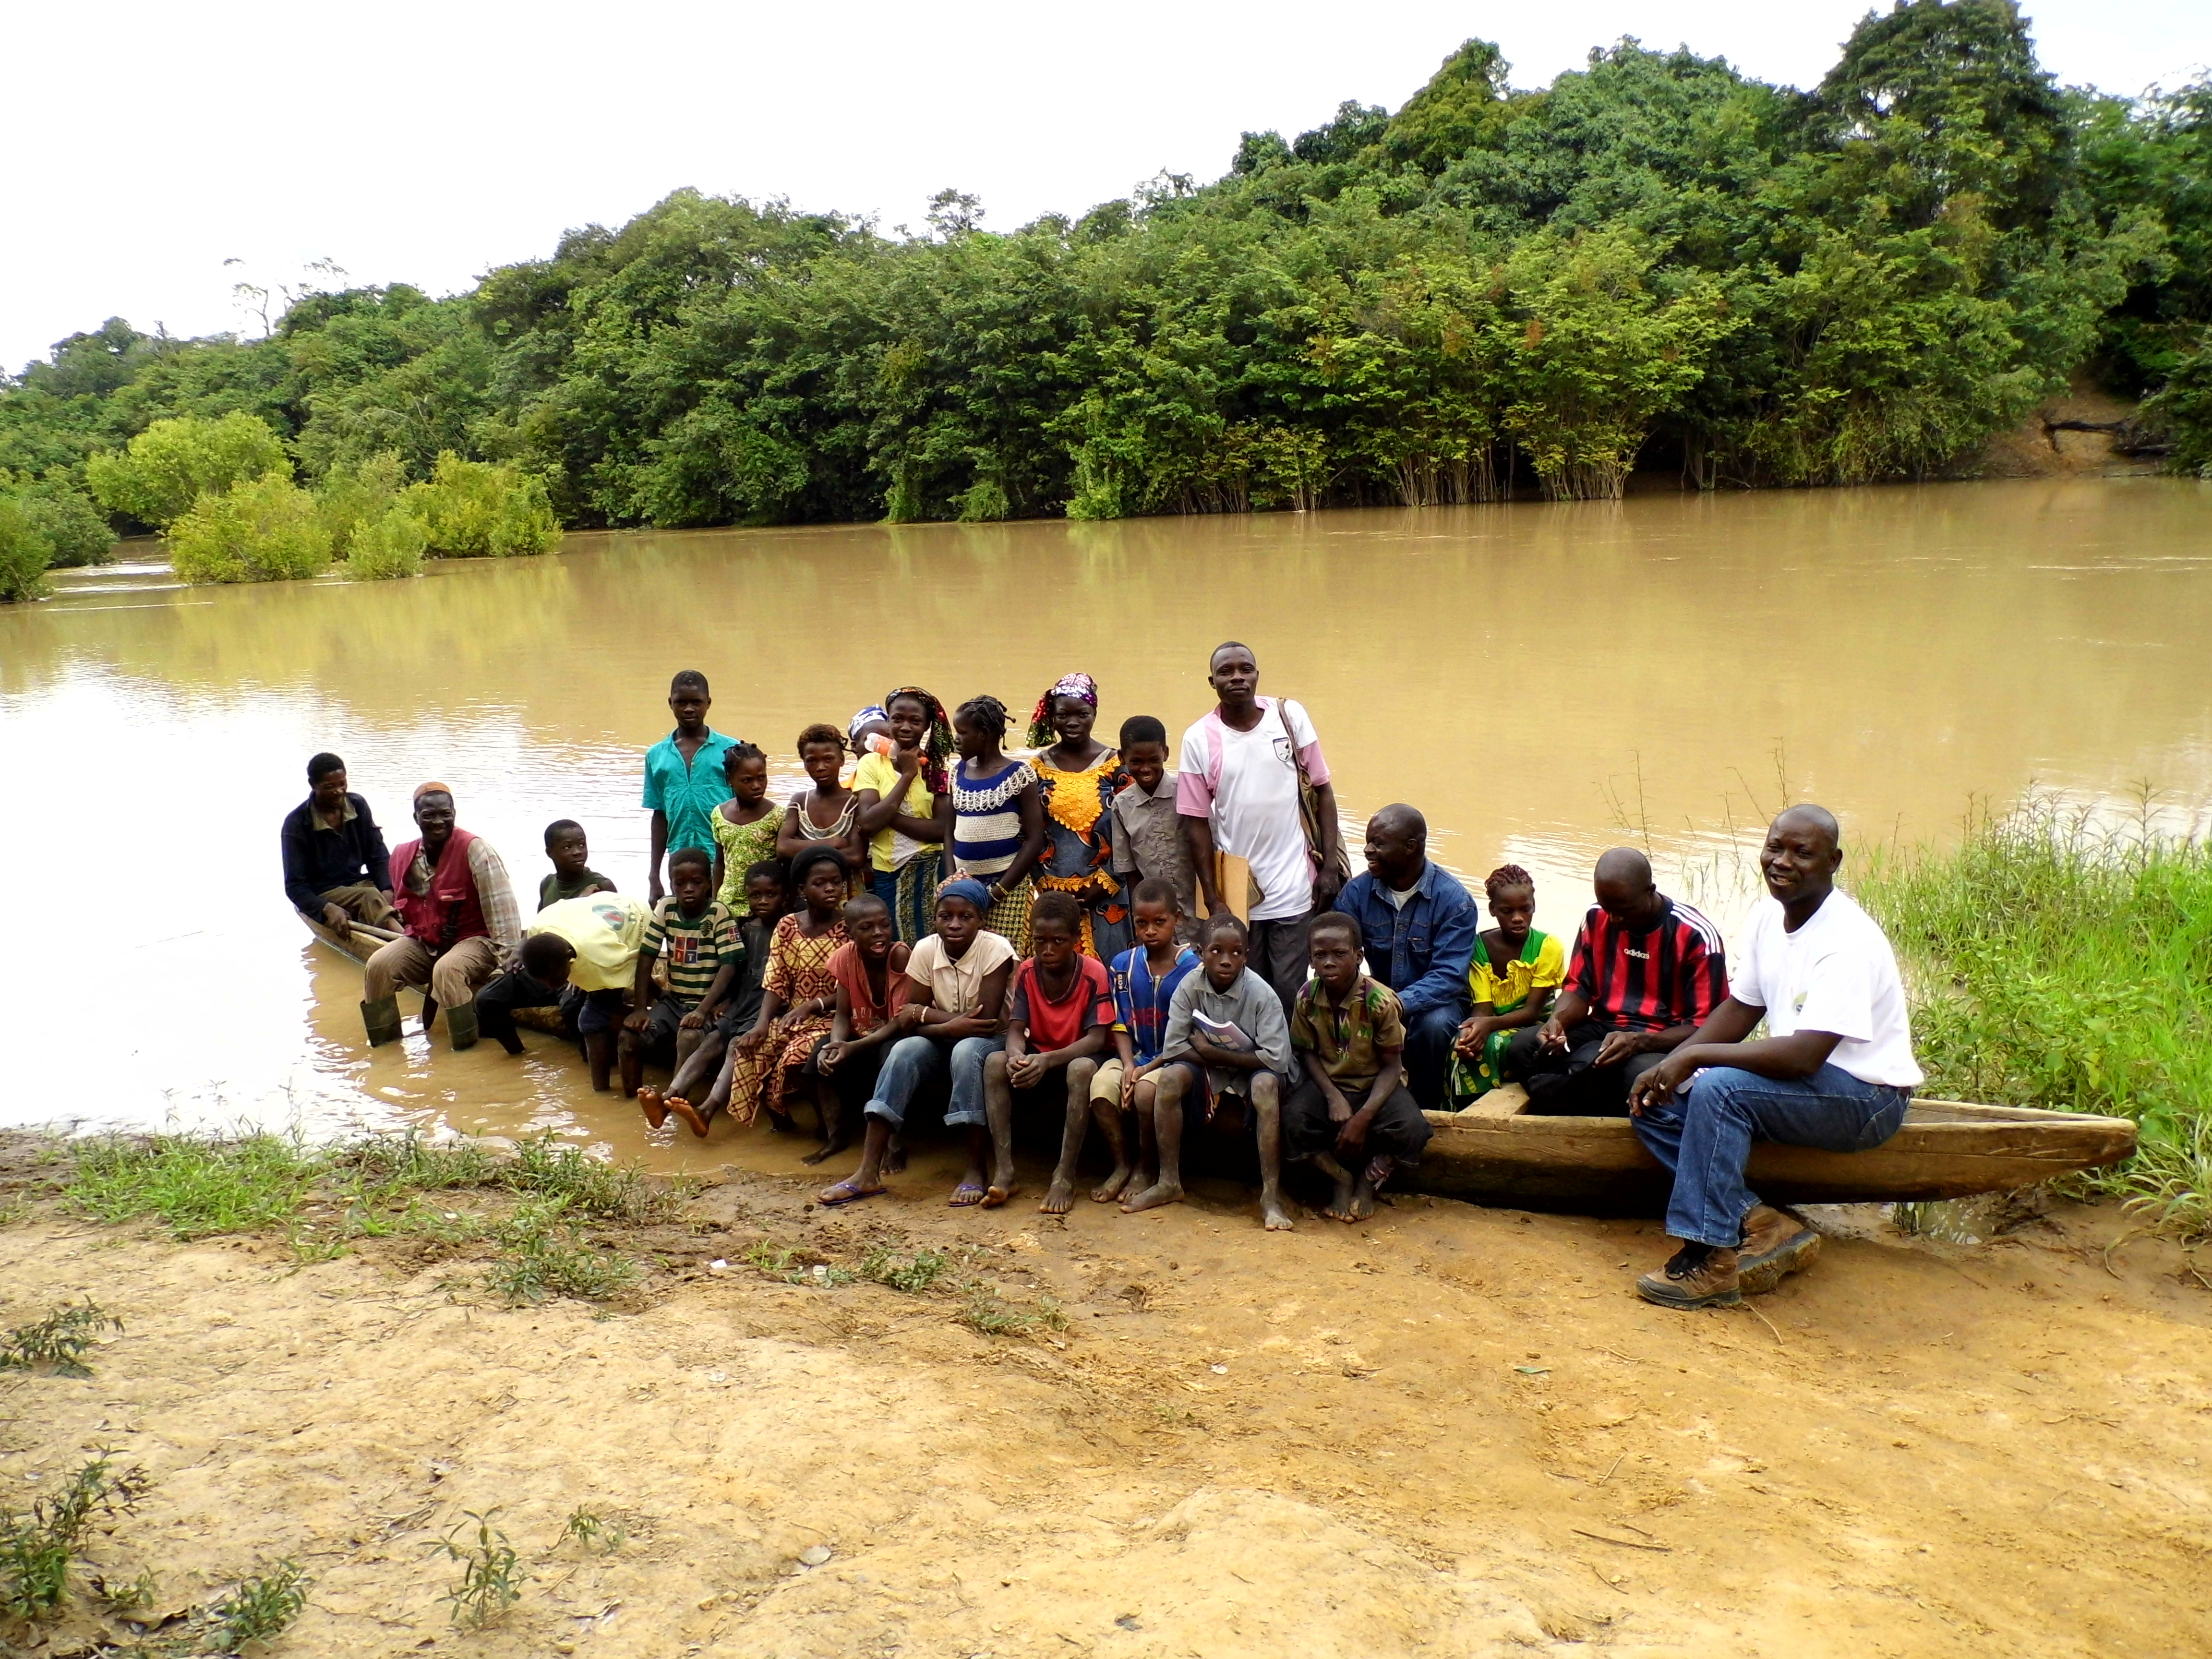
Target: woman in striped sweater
998	818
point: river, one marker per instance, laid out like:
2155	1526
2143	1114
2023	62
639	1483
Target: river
1541	680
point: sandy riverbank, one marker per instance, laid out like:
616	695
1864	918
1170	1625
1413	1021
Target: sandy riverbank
1455	1431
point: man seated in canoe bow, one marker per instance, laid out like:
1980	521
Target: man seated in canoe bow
335	869
462	926
1835	1070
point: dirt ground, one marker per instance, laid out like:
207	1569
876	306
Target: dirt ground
1454	1432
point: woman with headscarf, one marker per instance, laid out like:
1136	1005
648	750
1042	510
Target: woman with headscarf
912	813
1078	776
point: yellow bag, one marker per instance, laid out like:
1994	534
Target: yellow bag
605	930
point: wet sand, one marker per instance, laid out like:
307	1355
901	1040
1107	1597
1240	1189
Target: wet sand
1456	1431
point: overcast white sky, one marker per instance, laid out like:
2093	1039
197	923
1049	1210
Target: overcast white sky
427	141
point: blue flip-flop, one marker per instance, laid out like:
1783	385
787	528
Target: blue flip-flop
959	1203
853	1195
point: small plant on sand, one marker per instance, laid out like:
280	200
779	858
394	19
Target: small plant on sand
913	1274
987	1311
196	1185
785	1265
263	1606
491	1576
59	1339
540	1253
37	1548
592	1531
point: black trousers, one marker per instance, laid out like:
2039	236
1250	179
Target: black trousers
498	1001
1570	1085
1398	1131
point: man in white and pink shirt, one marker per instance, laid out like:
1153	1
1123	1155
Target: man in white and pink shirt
1236	792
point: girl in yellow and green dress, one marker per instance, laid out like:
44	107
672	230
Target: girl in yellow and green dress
1080	777
1515	973
745	825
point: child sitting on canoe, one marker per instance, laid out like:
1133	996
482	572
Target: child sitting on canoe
1515	973
699	939
1351	1114
1145	978
1227	1049
570	854
701	1087
1059	1008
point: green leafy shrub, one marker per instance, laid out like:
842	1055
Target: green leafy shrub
352	497
77	530
264	530
25	552
173	463
58	1340
475	509
39	1547
386	548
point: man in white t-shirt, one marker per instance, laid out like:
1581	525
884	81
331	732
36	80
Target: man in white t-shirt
1236	791
1835	1070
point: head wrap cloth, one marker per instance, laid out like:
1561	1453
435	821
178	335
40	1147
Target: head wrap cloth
1079	685
968	888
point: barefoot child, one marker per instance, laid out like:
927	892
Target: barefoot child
1227	1040
997	818
1148	841
570	854
797	994
827	814
684	780
698	938
953	1021
765	905
1352	1111
1063	1003
537	980
1145	978
1515	973
745	826
1077	779
872	986
912	814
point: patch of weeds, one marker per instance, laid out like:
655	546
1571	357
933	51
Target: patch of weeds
196	1186
384	1166
593	1531
785	1265
986	1310
12	1213
263	1606
59	1339
541	1255
37	1549
545	1168
491	1576
133	1597
913	1274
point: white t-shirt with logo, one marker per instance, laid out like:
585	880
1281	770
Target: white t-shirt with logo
1836	974
1247	784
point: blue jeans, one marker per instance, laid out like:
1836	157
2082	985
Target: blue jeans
1429	1038
883	883
915	1059
1705	1136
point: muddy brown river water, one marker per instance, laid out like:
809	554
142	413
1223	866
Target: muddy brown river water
1541	680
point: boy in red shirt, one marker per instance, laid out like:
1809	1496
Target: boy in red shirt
1057	1017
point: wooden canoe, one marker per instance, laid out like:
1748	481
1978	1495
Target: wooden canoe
1492	1153
362	940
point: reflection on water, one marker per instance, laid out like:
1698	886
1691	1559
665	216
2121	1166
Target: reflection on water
1542	680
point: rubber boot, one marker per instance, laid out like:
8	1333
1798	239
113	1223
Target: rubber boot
382	1019
461	1026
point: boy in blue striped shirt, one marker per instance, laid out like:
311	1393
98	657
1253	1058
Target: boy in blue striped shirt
1145	978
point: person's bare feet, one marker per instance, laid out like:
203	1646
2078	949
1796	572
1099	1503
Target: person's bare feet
656	1111
999	1192
1339	1206
1058	1198
1114	1186
781	1122
1362	1206
1159	1192
694	1120
895	1155
828	1149
1275	1217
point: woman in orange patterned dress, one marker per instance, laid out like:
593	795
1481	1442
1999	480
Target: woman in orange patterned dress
799	994
1079	777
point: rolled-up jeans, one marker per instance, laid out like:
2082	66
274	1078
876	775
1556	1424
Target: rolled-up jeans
914	1060
1706	1133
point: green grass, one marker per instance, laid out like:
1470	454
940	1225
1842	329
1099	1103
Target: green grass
262	1606
913	1273
491	1576
2055	960
984	1310
541	1254
39	1546
195	1185
58	1340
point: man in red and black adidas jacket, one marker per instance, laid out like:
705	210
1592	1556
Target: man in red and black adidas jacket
1647	970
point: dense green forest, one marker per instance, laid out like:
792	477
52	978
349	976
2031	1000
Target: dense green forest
1653	262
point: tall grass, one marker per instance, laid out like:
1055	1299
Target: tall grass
2057	959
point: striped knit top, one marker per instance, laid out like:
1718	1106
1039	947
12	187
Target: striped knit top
987	823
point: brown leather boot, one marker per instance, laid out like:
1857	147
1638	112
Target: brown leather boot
1775	1244
1693	1279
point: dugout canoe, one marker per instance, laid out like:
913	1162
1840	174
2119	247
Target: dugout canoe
1494	1153
363	941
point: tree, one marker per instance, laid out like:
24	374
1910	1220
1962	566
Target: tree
173	463
261	529
25	553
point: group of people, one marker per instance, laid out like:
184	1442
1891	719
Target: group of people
1166	956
